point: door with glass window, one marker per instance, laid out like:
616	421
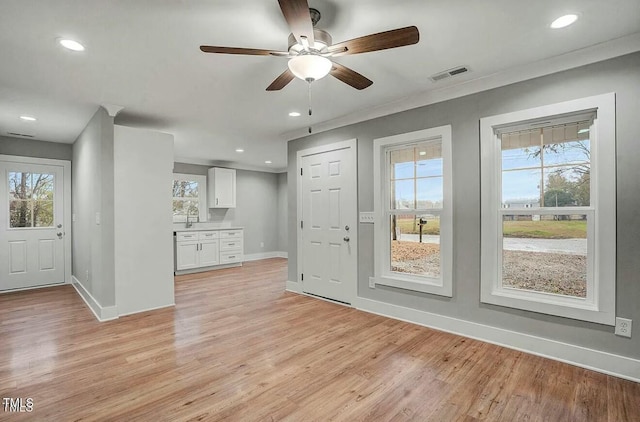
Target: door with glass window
31	225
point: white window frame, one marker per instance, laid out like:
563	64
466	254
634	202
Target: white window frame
442	285
599	305
202	195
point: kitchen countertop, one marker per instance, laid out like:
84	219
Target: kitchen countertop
204	229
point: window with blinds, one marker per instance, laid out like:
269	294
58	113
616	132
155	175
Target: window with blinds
548	209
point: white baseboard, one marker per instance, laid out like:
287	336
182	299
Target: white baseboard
264	255
101	313
149	309
293	286
608	363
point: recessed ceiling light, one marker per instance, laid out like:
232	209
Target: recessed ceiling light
267	162
239	150
71	45
564	21
294	114
28	118
583	131
423	152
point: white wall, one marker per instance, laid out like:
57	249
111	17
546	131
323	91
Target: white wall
143	164
92	199
282	212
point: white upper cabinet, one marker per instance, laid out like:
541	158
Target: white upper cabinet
221	188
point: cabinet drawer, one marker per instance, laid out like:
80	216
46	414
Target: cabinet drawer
227	234
230	257
208	235
231	245
185	236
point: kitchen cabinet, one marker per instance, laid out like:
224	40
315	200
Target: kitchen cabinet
221	188
196	249
208	249
187	255
231	246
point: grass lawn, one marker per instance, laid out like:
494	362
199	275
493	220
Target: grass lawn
564	229
406	226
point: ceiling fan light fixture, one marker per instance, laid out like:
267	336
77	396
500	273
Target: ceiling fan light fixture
310	67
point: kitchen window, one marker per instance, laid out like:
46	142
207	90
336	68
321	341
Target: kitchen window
548	209
189	198
413	210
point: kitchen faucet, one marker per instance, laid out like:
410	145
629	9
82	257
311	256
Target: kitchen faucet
189	223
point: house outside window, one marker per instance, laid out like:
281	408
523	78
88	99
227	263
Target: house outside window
548	209
412	194
189	198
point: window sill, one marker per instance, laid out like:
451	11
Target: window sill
559	306
432	286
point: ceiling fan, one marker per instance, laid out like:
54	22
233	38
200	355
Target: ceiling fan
310	48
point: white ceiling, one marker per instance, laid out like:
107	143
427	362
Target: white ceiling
144	55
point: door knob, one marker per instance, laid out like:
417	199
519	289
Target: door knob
59	234
346	238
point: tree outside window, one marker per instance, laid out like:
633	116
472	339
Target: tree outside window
31	199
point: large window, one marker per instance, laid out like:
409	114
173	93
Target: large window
413	210
548	209
189	198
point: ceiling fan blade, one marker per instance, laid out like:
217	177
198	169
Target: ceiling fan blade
281	81
349	77
380	41
296	13
245	51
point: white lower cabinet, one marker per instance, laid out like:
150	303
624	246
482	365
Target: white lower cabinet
209	253
187	255
208	248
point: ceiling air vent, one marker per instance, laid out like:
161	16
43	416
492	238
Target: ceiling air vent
20	134
447	73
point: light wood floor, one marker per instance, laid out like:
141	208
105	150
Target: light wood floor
237	347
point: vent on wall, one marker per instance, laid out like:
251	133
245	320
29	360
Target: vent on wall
448	73
20	134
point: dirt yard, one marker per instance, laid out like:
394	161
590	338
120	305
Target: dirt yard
542	272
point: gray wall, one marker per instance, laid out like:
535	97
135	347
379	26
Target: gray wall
92	193
620	75
36	149
282	212
257	198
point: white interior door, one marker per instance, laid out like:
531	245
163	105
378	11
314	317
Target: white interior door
32	246
328	233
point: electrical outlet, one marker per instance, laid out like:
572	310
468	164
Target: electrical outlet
262	244
372	282
623	327
366	217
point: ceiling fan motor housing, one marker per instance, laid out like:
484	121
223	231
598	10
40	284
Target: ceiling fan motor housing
322	42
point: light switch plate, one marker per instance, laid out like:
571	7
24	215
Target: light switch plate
366	217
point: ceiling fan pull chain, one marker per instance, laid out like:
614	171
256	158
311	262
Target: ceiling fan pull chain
310	112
